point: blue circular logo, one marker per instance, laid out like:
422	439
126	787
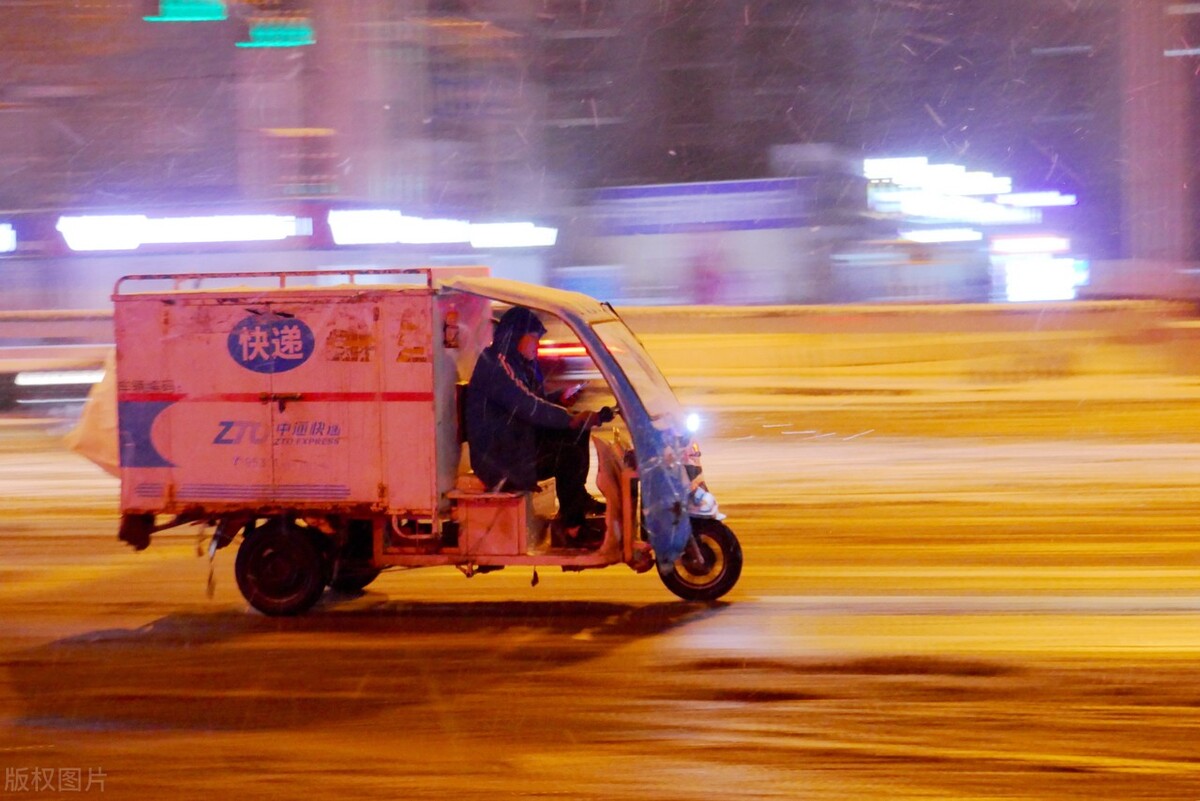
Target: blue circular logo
271	343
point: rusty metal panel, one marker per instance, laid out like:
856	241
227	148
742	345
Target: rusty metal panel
276	399
407	354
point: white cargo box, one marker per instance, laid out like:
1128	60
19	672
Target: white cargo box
261	397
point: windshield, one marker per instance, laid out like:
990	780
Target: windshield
647	380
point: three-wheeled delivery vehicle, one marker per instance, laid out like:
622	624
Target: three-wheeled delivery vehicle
319	415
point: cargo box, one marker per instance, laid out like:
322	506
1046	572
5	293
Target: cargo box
258	397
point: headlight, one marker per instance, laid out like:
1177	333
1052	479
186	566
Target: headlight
701	503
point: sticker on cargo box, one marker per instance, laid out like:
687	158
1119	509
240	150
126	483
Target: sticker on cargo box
412	338
271	344
349	345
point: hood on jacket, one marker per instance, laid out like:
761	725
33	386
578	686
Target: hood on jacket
514	324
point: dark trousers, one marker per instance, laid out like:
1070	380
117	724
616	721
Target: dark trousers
565	456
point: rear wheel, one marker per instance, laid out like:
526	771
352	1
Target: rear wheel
354	568
353	578
709	567
280	570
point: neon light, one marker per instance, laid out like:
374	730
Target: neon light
8	238
55	378
980	183
391	227
190	11
934	235
284	32
945	179
1037	199
420	231
933	206
104	232
1034	278
889	169
364	227
1031	244
512	235
131	231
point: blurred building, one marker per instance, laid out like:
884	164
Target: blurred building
113	102
507	108
1017	87
1091	99
97	107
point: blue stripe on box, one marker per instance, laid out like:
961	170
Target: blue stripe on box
264	492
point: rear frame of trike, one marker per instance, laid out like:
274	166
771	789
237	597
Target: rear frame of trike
215	380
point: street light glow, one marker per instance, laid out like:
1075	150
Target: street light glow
1037	199
392	227
512	235
131	231
937	235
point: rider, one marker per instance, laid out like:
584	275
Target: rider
520	434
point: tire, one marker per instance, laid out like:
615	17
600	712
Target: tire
280	570
324	549
354	578
720	570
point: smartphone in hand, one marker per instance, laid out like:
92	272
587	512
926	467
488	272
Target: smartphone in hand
571	393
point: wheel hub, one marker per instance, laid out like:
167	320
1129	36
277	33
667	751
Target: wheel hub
277	572
701	562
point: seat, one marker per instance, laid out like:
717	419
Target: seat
469	483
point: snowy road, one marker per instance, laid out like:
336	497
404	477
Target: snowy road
919	617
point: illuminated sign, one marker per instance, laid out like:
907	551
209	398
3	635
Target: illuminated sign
189	11
131	231
945	179
512	235
937	235
391	227
1030	244
1037	199
280	32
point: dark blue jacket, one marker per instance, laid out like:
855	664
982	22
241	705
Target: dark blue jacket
506	404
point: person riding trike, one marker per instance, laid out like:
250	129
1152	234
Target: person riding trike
325	424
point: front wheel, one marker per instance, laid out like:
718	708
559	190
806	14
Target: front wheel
280	570
709	567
